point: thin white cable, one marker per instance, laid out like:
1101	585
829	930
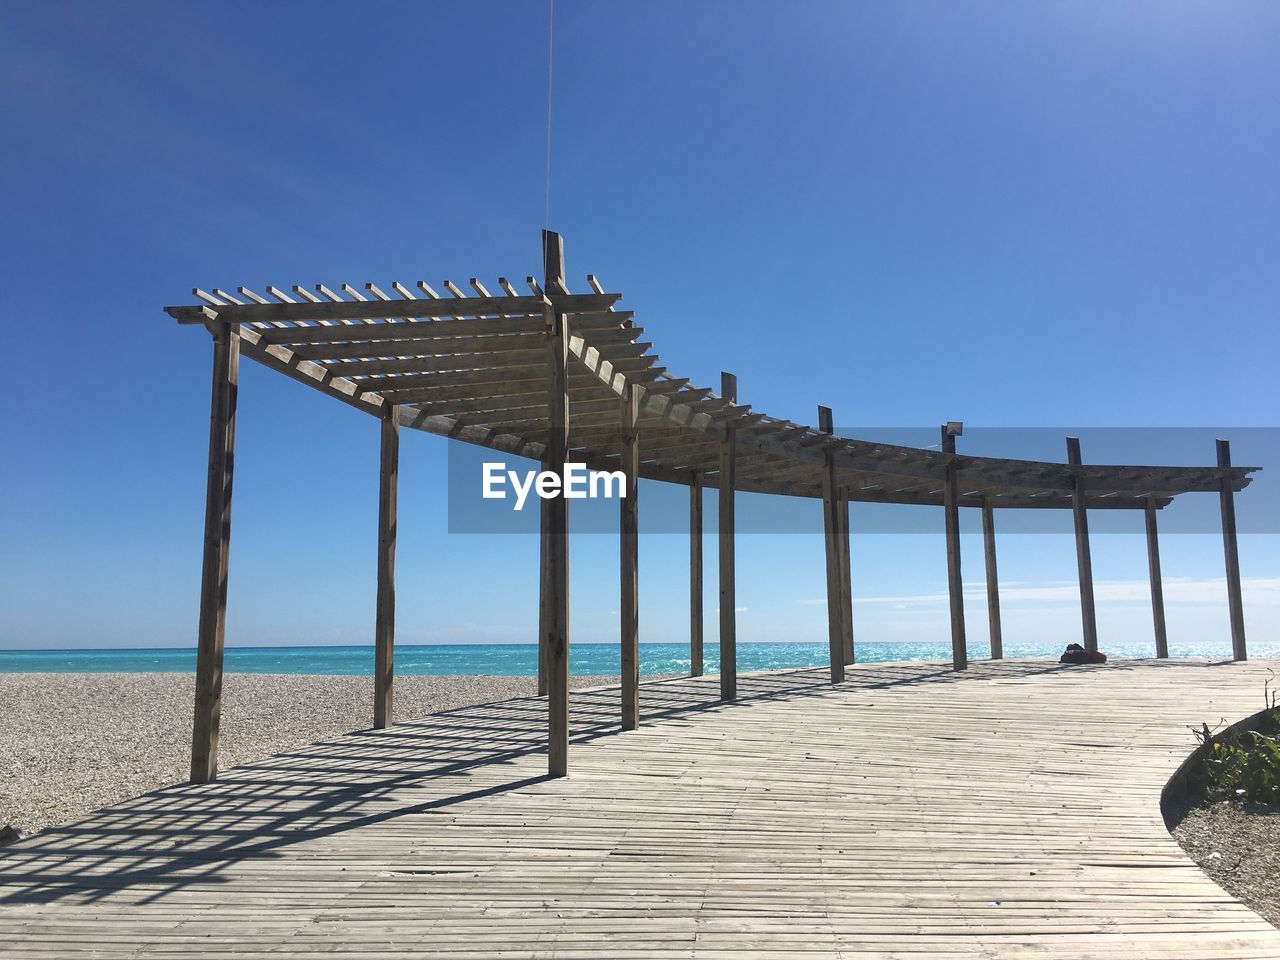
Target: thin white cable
551	15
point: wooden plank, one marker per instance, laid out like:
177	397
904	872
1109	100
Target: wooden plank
993	580
834	567
434	399
1235	599
1084	560
385	619
556	578
491	375
629	559
846	576
715	833
728	587
217	546
695	576
443	330
499	360
418	346
439	345
490	360
1157	584
955	580
528	306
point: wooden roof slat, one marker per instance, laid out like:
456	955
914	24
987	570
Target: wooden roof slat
476	369
531	406
597	323
494	375
425	364
360	309
435	346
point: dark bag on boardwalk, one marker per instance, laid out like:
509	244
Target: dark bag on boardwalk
1078	654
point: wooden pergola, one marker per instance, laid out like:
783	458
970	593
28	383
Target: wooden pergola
563	377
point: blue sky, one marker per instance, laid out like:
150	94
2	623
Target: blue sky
1010	214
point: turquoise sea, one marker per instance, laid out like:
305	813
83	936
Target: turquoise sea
521	659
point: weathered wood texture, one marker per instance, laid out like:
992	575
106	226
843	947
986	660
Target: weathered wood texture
993	580
629	562
544	594
728	590
834	566
1007	812
846	575
696	627
1084	558
217	546
555	578
1235	599
1157	583
472	368
385	618
955	579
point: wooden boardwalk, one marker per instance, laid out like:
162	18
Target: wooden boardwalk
1008	811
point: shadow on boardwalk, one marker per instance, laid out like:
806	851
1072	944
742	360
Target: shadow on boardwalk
185	835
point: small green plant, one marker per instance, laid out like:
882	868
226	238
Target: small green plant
1245	765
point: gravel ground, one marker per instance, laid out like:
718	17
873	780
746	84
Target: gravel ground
1238	845
71	743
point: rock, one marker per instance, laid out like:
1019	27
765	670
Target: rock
8	835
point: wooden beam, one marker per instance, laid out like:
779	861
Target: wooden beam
993	581
437	363
385	620
1084	560
955	582
1157	584
443	330
695	576
487	375
728	592
629	559
556	577
846	576
1235	599
830	539
528	306
217	545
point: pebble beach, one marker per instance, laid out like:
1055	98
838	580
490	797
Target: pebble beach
72	743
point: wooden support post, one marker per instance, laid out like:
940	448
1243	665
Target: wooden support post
1235	599
385	620
993	581
1084	562
544	599
555	580
695	576
835	568
1157	585
629	559
846	576
217	545
728	595
955	583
